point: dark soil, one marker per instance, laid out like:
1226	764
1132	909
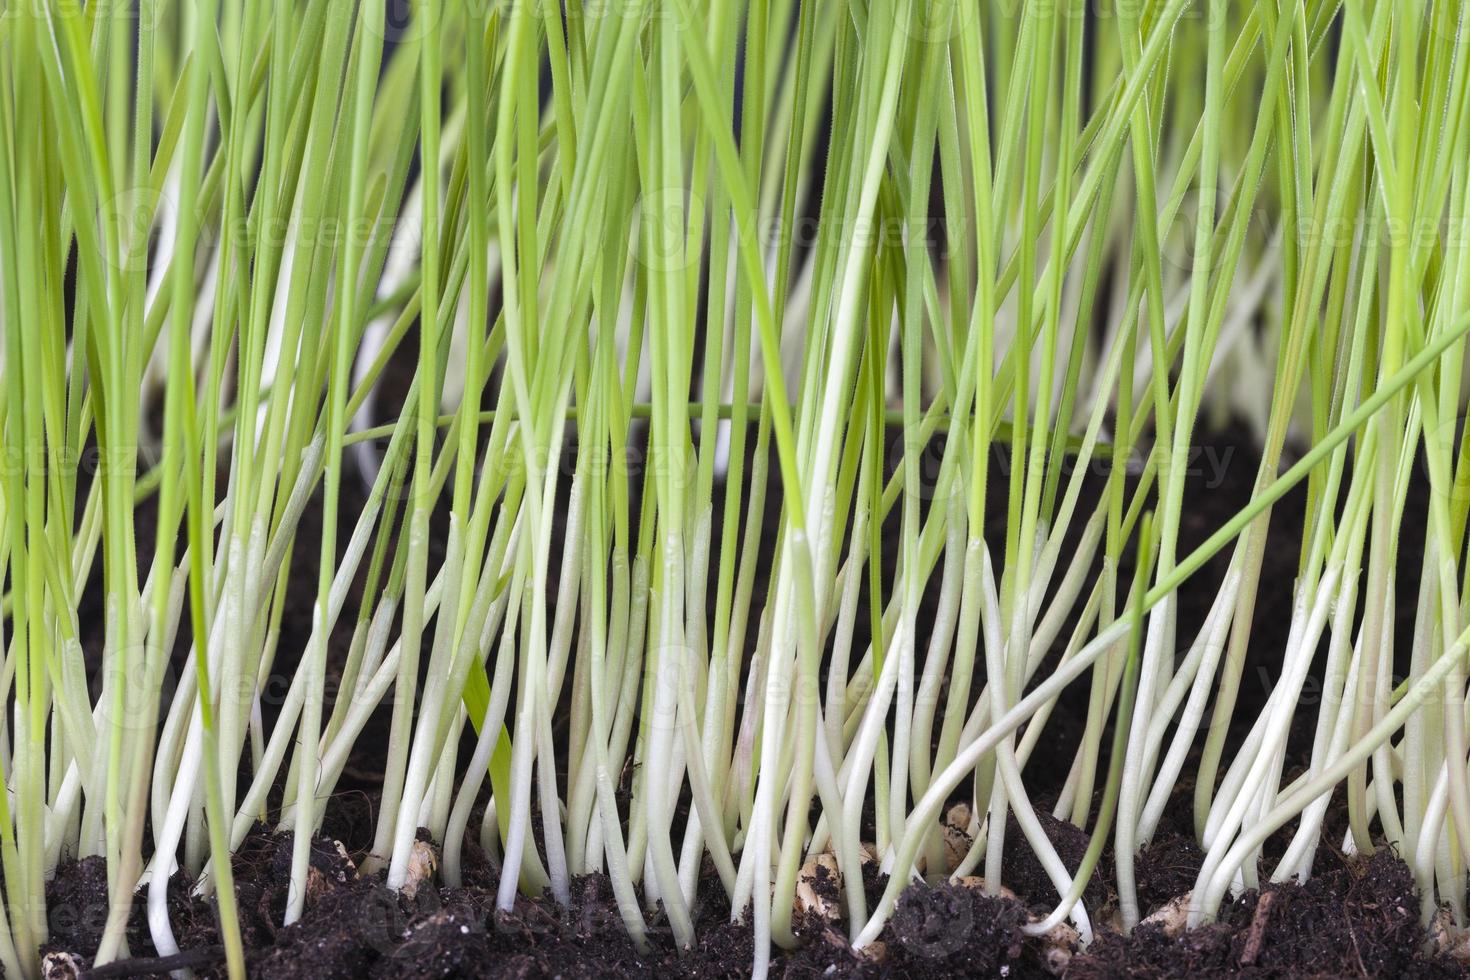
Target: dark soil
1353	918
1022	872
953	931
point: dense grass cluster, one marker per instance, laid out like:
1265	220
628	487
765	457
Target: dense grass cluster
754	244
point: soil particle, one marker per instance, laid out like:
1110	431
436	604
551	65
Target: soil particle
76	906
451	942
1165	869
1022	872
343	935
954	931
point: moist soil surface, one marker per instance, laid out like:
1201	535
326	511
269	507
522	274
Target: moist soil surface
1356	916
